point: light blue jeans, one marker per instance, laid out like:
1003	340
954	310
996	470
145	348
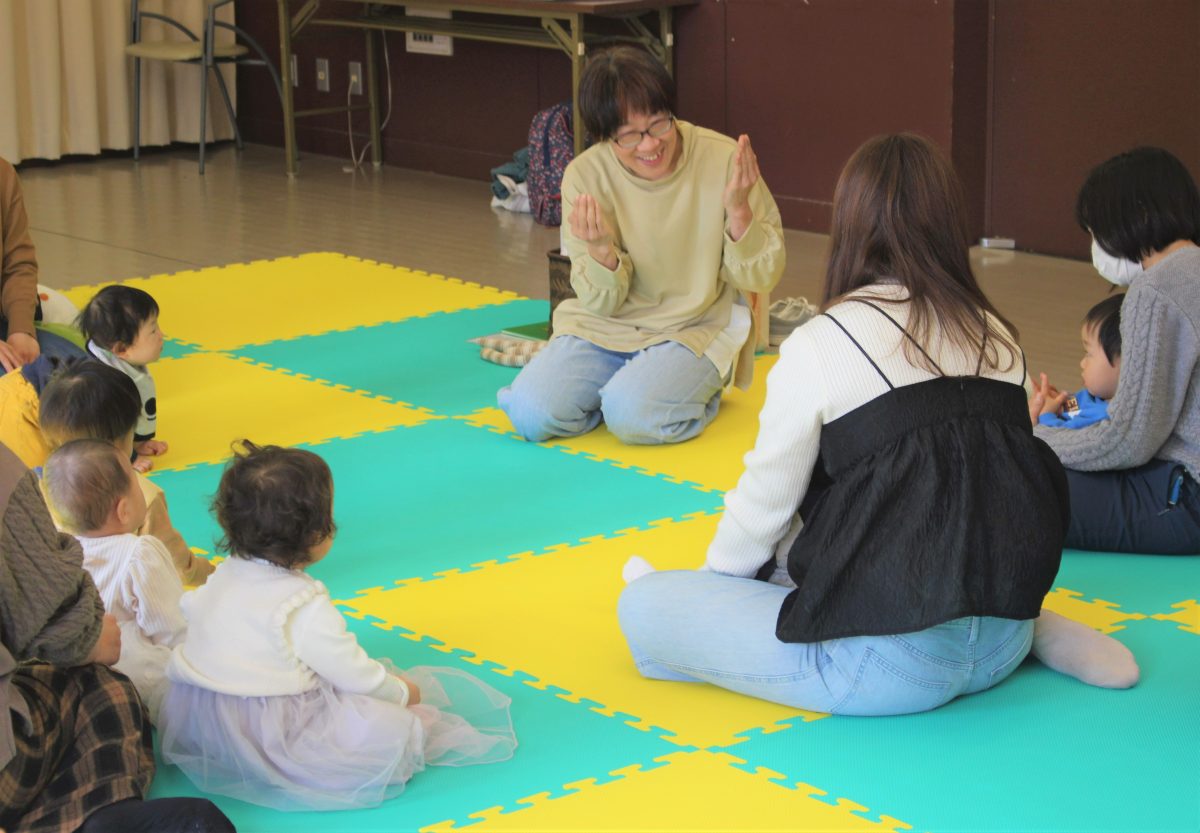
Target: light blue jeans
693	626
663	394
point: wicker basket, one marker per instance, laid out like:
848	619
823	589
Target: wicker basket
560	281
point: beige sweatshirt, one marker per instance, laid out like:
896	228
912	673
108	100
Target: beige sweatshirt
679	270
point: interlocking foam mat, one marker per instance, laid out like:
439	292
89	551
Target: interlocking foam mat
460	544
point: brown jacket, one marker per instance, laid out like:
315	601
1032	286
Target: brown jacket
19	270
49	607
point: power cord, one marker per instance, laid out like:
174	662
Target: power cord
356	160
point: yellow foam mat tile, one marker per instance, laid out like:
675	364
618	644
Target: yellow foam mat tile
552	616
206	401
696	791
713	460
1187	614
1104	616
253	303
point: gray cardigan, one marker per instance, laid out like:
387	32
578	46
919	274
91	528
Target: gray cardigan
49	607
1155	413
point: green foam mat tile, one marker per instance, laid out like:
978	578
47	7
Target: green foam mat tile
174	349
558	742
1039	752
425	361
1141	583
416	501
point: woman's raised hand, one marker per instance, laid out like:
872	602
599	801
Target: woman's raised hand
742	178
588	224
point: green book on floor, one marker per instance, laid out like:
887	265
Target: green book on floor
538	331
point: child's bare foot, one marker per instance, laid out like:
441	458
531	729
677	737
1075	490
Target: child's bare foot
151	448
142	464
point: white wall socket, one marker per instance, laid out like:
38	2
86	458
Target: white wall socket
425	43
356	78
323	75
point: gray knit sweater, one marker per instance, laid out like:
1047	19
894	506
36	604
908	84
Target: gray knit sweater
49	607
1155	413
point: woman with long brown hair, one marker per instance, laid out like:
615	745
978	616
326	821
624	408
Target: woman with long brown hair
916	522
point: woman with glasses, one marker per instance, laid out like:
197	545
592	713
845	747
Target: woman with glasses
916	521
668	226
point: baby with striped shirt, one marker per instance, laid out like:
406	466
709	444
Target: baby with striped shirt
94	491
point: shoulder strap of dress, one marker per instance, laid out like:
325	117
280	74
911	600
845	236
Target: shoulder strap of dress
982	350
886	380
902	330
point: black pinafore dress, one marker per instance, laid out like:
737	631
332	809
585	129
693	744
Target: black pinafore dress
932	502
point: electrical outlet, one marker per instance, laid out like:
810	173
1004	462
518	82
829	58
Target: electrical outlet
426	43
323	75
356	78
295	70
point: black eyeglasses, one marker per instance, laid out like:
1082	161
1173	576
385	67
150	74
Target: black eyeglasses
657	129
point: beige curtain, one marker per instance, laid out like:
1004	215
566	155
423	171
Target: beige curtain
66	86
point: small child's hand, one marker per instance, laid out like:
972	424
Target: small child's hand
414	691
107	650
151	448
142	464
1046	399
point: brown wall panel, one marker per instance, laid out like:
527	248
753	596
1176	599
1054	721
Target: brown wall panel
969	111
1078	81
809	81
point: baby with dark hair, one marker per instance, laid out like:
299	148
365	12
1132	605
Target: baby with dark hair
272	700
120	324
1100	369
94	490
88	400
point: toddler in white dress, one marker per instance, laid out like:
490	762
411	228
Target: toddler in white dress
271	699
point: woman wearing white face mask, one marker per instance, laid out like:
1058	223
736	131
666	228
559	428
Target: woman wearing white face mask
1133	477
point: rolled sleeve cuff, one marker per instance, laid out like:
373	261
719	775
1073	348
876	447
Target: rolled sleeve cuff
751	244
603	278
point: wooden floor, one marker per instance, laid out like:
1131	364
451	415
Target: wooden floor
109	219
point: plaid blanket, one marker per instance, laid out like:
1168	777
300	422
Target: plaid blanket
86	745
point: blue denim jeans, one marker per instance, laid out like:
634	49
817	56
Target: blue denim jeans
699	626
663	394
52	345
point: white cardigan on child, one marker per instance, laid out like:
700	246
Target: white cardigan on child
256	629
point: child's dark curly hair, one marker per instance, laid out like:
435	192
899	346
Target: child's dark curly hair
114	316
274	503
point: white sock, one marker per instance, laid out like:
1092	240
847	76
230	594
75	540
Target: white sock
1072	648
635	568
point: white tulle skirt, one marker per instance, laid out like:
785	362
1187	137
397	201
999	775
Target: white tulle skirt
329	750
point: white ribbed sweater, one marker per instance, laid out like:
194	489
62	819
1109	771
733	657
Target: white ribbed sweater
819	377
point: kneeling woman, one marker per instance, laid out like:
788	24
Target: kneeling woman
666	223
896	426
